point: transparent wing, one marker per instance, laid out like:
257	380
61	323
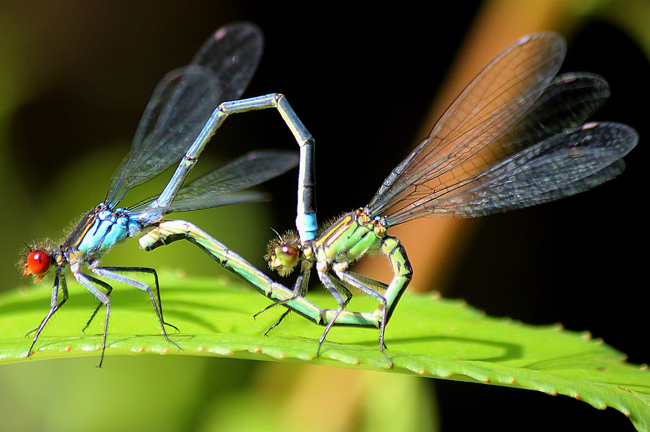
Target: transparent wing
566	103
215	189
468	137
184	100
563	165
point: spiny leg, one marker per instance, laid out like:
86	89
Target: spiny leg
299	290
109	290
335	288
146	270
282	317
402	274
369	281
88	282
110	273
351	280
55	305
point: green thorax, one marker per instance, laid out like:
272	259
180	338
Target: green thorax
349	238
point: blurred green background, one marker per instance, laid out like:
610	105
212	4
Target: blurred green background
74	78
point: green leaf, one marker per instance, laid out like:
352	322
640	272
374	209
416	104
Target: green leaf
428	336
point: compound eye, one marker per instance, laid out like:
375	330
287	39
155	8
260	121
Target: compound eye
283	254
37	263
287	255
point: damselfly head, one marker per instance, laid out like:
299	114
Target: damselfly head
37	262
283	253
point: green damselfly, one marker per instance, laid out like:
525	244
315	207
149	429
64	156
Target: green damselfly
515	137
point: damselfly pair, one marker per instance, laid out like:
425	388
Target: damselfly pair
515	137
